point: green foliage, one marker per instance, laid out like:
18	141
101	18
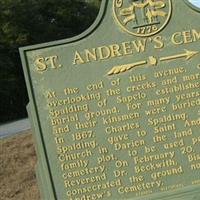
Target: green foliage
26	22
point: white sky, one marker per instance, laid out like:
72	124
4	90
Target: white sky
195	2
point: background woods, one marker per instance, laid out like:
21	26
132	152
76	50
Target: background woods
27	22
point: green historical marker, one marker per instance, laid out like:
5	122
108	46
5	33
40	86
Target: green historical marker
116	110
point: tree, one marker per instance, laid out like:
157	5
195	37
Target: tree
27	22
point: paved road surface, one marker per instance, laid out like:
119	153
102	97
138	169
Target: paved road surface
14	127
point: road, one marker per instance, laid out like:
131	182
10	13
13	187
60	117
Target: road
14	127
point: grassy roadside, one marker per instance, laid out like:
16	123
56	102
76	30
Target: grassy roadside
17	168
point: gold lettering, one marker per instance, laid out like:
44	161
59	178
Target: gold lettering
196	35
40	64
140	45
159	44
91	55
78	59
115	50
53	61
127	48
187	37
176	38
104	52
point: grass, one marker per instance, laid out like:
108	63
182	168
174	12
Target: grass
17	168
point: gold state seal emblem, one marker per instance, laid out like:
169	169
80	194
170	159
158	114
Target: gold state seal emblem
142	17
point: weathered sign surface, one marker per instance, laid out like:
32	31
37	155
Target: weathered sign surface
115	110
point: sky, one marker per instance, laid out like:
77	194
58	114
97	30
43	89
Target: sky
195	2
